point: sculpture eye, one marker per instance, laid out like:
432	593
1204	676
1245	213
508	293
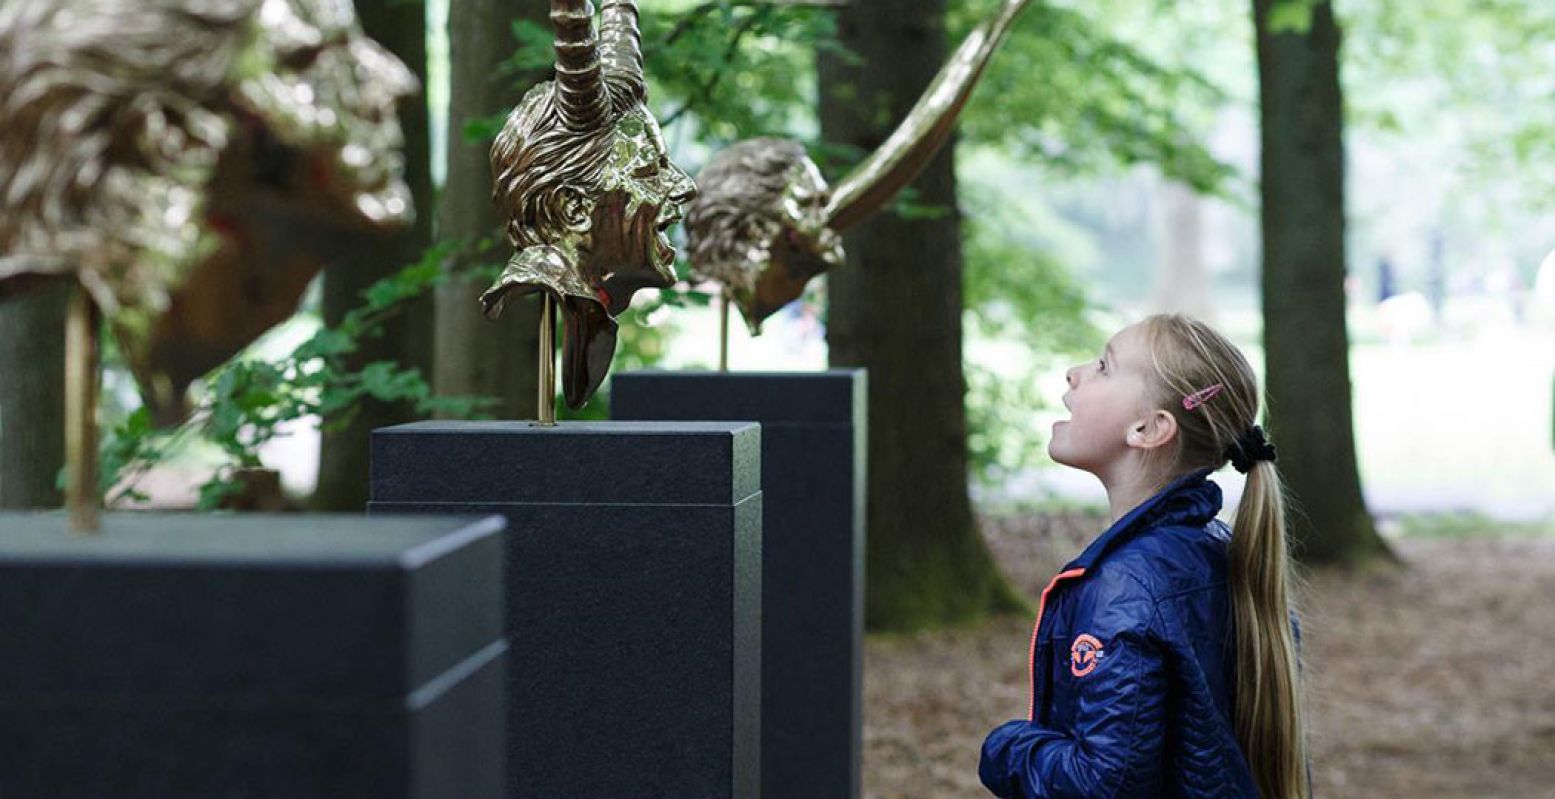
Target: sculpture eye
646	170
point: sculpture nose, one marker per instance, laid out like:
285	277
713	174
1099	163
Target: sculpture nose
682	188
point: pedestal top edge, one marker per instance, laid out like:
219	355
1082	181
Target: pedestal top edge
289	541
614	428
844	373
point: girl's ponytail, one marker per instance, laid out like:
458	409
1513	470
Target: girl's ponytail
1210	389
1268	708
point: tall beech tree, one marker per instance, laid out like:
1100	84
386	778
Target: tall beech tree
399	25
1306	344
475	356
896	309
32	392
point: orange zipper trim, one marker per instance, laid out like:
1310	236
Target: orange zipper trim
1031	661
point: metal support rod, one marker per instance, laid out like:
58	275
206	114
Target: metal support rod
81	498
723	332
546	409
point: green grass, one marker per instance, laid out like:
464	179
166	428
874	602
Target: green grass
1466	524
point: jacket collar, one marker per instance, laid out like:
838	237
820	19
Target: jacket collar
1191	500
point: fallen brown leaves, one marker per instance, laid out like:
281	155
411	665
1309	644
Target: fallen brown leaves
1438	681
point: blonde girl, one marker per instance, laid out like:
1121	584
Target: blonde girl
1163	661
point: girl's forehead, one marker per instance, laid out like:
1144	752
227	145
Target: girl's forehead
1127	345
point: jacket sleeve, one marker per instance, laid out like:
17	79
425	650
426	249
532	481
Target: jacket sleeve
1114	747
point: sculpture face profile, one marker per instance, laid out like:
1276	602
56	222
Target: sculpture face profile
761	225
584	179
192	163
766	222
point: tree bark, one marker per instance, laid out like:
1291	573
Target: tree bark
896	308
399	25
1306	344
1183	282
32	397
473	355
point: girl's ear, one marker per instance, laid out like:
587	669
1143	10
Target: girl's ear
1156	430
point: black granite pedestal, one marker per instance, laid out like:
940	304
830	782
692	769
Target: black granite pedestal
812	472
262	657
634	594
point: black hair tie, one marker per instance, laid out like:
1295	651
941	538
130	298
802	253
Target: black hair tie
1249	448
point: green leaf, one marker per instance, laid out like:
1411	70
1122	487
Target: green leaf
1291	16
482	129
215	491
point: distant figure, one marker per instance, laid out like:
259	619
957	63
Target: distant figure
1386	277
1436	277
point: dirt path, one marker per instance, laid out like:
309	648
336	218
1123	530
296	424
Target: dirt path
1435	682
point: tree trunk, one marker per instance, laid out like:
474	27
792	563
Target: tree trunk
1305	341
473	355
1182	285
896	309
400	25
32	397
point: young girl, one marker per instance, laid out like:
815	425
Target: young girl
1163	662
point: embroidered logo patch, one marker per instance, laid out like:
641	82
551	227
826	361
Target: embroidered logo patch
1084	654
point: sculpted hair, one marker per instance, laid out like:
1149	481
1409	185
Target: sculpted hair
74	73
556	143
738	196
1188	356
543	168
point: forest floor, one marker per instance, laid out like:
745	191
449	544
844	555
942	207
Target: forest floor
1437	680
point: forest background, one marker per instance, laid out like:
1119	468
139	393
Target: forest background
1108	167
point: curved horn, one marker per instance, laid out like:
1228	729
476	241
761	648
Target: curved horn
913	144
620	42
580	86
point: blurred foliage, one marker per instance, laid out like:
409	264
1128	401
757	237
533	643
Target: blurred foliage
1072	94
727	70
1016	292
249	401
1078	98
1474	72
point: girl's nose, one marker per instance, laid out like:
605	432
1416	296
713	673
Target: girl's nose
1069	376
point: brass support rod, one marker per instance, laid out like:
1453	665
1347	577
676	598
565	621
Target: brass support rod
723	332
81	499
546	409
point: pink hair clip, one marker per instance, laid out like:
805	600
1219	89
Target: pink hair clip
1203	395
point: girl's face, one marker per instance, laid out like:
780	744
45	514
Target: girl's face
1107	401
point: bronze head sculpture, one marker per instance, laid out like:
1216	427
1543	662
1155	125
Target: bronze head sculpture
760	225
765	221
584	179
192	163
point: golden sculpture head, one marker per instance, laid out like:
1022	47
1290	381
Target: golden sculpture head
584	178
760	227
191	163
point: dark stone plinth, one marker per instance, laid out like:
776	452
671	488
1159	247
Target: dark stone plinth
812	471
634	594
204	657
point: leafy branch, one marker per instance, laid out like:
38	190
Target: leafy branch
249	401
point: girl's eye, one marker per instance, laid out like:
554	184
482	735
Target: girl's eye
1101	364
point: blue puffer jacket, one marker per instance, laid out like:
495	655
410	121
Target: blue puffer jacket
1132	666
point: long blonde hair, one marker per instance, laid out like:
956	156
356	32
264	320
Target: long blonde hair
1189	356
